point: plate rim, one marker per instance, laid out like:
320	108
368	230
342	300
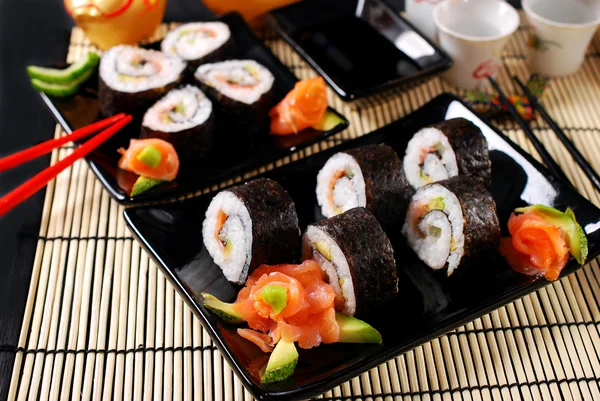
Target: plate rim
168	194
274	23
314	388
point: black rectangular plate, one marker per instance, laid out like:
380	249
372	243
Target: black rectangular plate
360	47
428	304
83	109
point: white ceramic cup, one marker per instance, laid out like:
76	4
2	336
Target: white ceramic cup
420	14
473	33
559	33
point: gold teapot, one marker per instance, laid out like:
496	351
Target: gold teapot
109	23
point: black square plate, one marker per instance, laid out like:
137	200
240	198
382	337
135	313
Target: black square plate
359	46
83	109
428	304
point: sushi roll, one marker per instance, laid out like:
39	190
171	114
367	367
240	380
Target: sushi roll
451	223
370	176
184	117
447	149
249	225
356	256
132	78
199	42
242	91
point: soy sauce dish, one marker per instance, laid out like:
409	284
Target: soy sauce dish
315	272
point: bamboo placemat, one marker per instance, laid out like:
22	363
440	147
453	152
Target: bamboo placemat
102	323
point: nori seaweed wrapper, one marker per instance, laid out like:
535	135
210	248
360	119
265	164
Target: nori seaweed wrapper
481	228
470	148
387	190
112	102
241	123
369	254
275	231
191	144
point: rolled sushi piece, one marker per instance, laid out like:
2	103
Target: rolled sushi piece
451	223
183	117
447	149
199	42
370	176
242	91
249	225
357	257
132	78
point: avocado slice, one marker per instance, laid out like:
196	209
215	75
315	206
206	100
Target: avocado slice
275	296
222	309
67	75
324	249
353	330
61	90
576	239
281	364
142	184
150	156
437	203
329	121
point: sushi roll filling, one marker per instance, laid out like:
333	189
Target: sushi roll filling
195	40
340	185
240	77
429	158
180	109
341	188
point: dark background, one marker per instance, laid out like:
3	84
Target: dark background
35	32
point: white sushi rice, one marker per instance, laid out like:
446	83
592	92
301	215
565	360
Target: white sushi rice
178	110
242	80
337	270
440	229
439	162
237	230
132	69
195	40
347	192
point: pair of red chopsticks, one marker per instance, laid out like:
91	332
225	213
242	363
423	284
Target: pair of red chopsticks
37	182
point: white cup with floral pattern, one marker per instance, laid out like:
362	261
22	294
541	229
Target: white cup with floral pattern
560	31
474	33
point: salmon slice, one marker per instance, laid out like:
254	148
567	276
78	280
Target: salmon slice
166	170
536	247
302	107
263	341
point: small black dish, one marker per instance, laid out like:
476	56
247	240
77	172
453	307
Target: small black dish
428	304
360	47
225	161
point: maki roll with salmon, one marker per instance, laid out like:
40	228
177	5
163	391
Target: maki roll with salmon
447	149
451	223
356	256
132	78
183	117
242	91
370	176
249	225
199	42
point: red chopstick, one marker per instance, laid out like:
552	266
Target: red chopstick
23	156
39	180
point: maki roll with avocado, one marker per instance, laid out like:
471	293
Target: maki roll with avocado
370	176
249	225
132	78
242	91
447	149
357	258
451	223
184	117
199	42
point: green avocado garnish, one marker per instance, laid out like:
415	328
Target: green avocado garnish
276	296
353	330
180	108
575	235
437	204
142	184
439	148
150	156
281	364
222	309
324	249
329	121
67	75
252	71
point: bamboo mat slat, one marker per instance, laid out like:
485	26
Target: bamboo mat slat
102	323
